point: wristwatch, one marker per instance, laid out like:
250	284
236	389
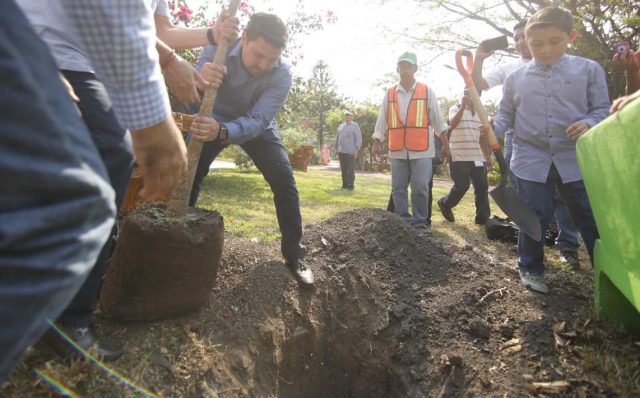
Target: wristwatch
223	134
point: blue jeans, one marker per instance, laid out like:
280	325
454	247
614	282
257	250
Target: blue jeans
270	157
462	174
56	205
568	232
540	197
417	173
114	145
348	168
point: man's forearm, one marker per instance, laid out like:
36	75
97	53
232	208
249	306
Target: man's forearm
178	37
476	74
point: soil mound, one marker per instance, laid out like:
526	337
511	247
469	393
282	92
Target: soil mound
394	313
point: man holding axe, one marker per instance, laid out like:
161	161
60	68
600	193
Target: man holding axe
255	87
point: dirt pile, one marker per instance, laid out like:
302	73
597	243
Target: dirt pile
394	314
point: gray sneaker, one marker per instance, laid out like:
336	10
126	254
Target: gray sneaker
533	282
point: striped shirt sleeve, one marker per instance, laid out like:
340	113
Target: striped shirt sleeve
119	38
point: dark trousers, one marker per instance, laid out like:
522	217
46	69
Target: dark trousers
391	207
114	145
540	197
348	168
270	157
463	174
56	205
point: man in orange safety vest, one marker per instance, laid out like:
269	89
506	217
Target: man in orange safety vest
408	118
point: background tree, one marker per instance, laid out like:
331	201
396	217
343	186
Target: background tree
322	97
600	24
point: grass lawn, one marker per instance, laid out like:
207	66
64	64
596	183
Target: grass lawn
245	200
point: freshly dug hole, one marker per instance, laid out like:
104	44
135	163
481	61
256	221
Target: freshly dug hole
162	267
361	333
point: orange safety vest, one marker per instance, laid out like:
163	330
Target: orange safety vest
414	134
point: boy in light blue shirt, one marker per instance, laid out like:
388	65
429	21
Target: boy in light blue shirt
549	103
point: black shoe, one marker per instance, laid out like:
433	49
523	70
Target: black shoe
86	339
571	258
446	212
300	272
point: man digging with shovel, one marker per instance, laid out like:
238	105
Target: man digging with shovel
255	87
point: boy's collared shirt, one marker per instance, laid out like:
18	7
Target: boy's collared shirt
539	103
248	105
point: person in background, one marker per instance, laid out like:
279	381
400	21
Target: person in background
627	62
256	85
470	153
546	123
407	110
57	208
567	238
348	143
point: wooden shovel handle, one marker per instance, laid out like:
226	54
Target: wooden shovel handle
465	72
179	202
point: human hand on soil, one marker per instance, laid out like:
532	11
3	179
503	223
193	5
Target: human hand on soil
162	157
213	74
576	130
182	78
623	101
204	129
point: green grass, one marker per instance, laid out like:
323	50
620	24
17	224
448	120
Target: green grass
246	202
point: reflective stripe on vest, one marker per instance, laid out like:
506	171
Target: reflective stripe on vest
414	134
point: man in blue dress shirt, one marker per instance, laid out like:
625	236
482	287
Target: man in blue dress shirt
255	87
549	103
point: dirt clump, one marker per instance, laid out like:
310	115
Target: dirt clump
162	267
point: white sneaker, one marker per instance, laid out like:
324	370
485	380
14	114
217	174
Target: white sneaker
533	282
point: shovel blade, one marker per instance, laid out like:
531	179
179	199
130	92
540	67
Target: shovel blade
517	210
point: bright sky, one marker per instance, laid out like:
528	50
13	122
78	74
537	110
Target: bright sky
360	49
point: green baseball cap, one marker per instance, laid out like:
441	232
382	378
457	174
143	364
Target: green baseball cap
409	57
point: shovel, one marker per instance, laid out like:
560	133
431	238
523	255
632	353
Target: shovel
506	198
